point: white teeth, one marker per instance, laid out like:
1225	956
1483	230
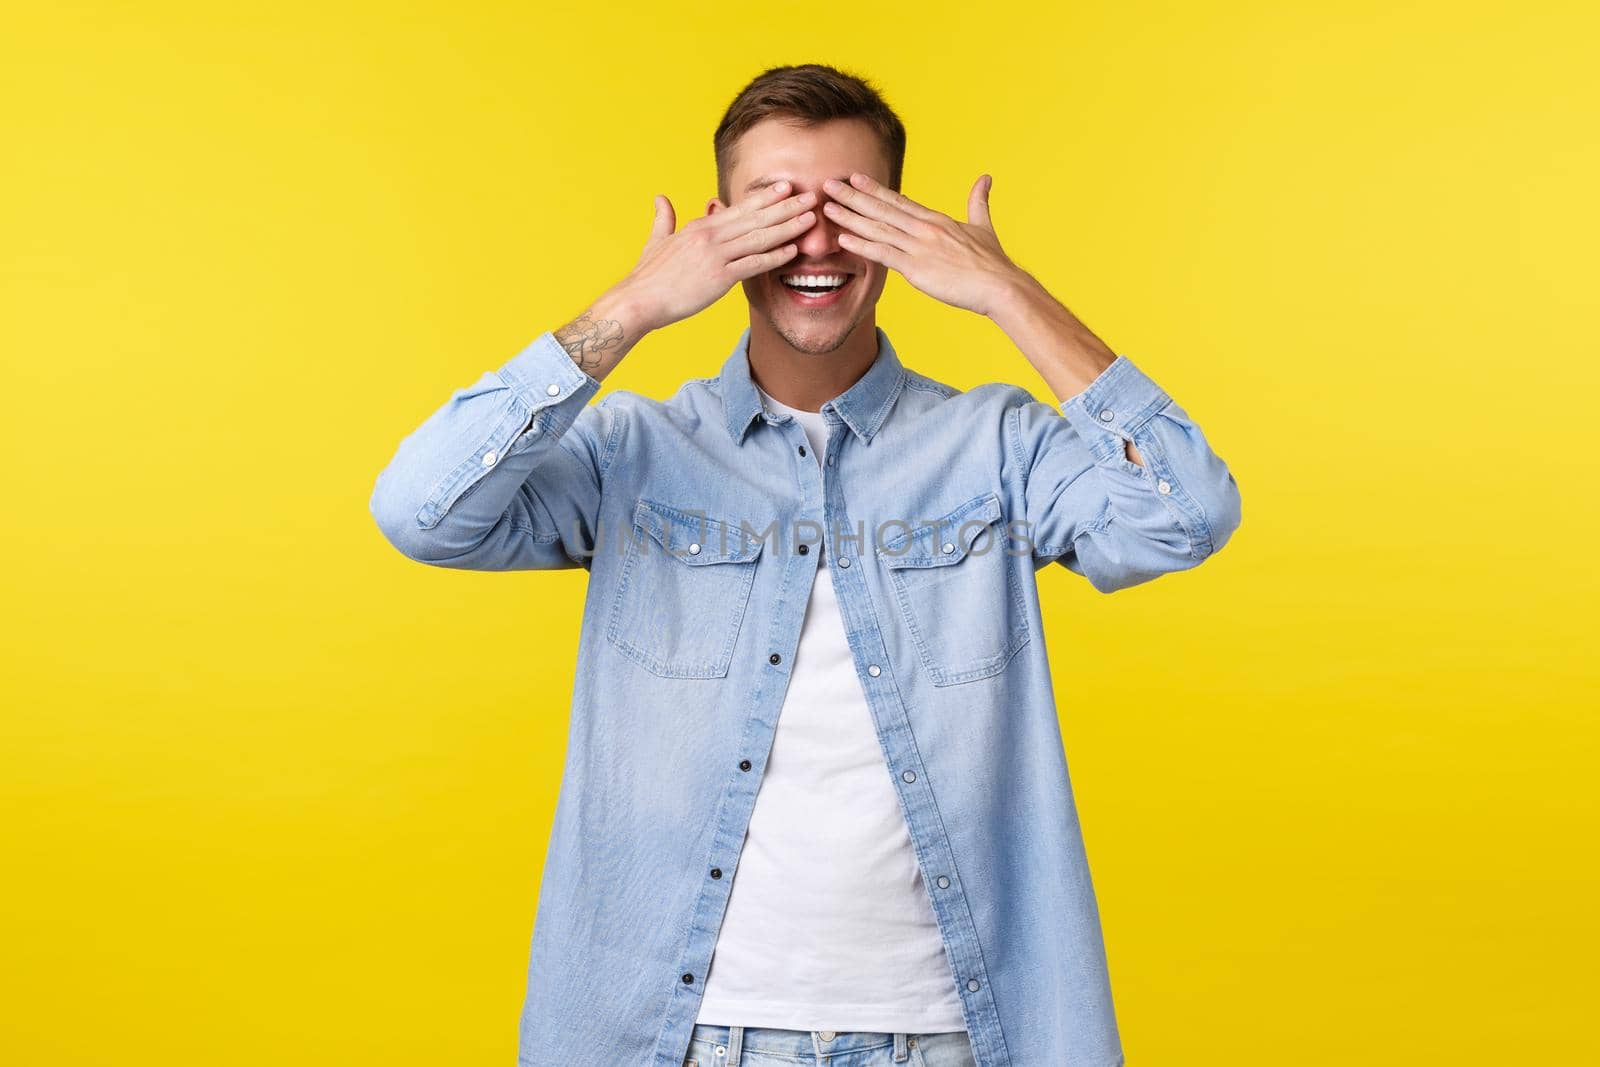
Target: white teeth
832	281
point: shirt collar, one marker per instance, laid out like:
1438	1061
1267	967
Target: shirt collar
863	406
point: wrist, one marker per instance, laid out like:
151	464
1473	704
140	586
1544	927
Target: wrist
1013	297
622	305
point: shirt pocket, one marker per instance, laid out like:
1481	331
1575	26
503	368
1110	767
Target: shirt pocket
681	592
955	580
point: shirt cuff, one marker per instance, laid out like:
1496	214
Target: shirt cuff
549	385
1120	400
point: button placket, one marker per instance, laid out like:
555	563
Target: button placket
782	633
890	715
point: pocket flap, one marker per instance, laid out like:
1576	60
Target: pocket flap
946	540
694	538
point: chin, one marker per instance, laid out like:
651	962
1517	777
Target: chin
814	338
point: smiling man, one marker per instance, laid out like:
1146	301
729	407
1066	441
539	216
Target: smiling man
815	807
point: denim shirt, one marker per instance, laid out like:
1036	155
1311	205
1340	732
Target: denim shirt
695	517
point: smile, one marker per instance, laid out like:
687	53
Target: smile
816	290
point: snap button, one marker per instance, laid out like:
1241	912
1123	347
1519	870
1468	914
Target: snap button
694	549
553	390
972	984
944	883
874	670
909	776
1106	415
827	1035
1163	487
489	457
948	547
844	561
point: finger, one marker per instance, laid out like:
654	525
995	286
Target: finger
978	203
761	262
869	206
767	236
871	229
665	222
727	214
773	213
762	197
868	192
873	250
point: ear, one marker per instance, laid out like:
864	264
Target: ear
715	205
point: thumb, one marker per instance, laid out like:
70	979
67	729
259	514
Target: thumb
978	203
665	222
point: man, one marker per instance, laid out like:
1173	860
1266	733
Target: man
815	806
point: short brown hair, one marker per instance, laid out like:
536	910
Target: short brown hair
811	93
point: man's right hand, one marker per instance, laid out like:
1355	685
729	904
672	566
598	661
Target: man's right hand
682	273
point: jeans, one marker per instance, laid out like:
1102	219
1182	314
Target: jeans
749	1046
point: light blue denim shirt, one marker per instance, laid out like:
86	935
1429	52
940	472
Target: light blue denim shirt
695	518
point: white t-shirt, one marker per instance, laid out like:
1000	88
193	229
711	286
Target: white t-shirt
828	924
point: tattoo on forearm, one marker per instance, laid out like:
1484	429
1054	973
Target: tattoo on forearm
585	338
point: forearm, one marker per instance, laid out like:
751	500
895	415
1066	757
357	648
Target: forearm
1065	352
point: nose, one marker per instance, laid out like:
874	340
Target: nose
821	240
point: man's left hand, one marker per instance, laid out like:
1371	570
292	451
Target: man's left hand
959	263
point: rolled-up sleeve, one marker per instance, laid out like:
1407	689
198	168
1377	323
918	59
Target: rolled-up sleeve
507	473
1113	521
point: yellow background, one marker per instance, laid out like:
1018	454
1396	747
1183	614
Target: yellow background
274	794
